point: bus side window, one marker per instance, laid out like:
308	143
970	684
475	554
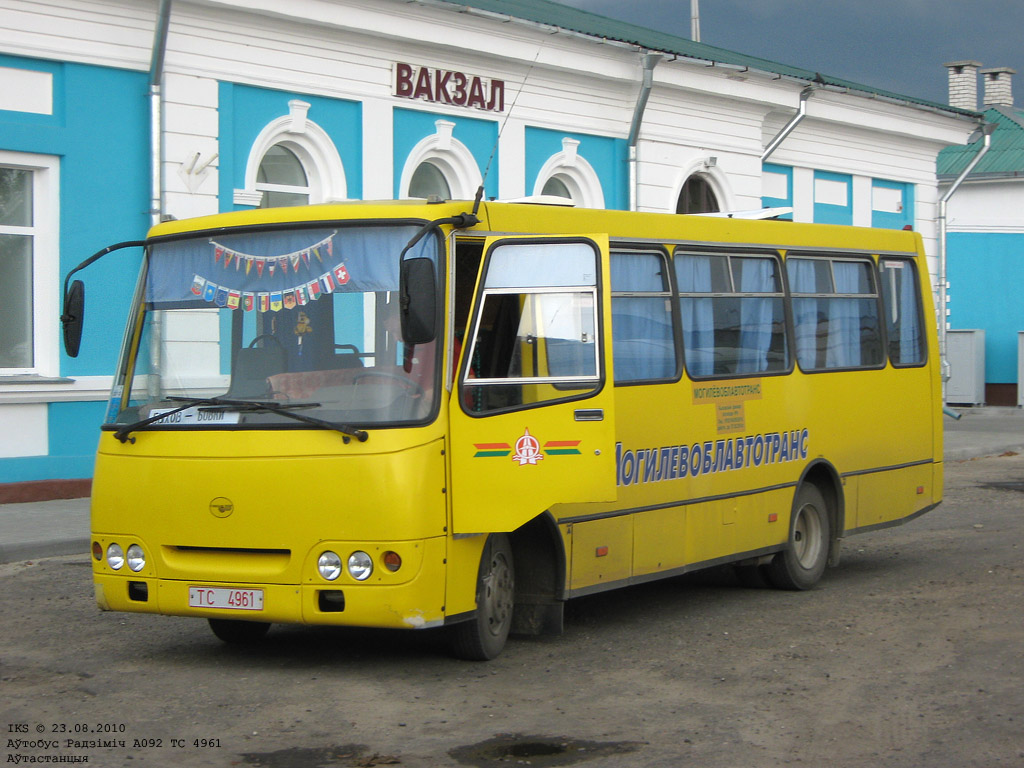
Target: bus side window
835	313
902	303
468	255
642	338
535	338
733	314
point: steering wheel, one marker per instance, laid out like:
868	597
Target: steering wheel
406	382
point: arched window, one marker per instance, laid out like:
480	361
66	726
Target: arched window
292	162
556	187
282	179
440	165
567	174
697	196
429	181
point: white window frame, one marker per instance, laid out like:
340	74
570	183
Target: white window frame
325	173
450	156
575	172
707	167
45	260
307	190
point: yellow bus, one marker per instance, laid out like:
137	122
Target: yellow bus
417	415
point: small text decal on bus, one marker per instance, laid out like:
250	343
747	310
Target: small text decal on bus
674	462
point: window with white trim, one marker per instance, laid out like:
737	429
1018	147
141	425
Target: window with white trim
28	265
440	165
282	179
428	181
292	162
697	196
568	174
555	187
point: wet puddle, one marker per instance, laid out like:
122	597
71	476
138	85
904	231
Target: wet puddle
516	749
1008	485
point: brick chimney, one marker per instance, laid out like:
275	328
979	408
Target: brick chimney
998	86
963	84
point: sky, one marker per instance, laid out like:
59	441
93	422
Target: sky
893	45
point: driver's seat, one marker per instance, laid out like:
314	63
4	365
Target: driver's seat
251	368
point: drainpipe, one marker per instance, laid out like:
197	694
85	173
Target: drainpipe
986	131
156	148
650	62
801	113
156	76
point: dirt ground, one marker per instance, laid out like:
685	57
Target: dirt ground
910	653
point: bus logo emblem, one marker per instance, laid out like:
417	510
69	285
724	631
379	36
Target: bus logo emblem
527	450
221	507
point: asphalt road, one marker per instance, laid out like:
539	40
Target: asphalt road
908	654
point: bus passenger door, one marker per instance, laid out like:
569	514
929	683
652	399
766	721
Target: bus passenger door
532	413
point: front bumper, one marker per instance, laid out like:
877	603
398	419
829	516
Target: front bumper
401	601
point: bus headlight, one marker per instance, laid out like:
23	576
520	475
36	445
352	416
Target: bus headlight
360	565
329	565
115	557
136	558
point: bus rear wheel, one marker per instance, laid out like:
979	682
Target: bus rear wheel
239	632
802	563
483	637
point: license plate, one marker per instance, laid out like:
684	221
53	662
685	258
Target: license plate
220	597
198	415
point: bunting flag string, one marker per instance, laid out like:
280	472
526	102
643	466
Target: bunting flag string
271	301
221	253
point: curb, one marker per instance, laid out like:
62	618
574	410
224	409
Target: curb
35	550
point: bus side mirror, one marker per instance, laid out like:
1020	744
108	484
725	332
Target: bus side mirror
74	312
418	301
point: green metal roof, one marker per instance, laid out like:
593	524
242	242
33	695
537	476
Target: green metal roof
1005	156
601	27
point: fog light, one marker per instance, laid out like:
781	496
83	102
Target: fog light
136	558
392	561
329	565
360	565
115	556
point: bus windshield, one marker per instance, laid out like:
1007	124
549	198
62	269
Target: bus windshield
303	320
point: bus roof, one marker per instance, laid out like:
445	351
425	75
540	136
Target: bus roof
528	218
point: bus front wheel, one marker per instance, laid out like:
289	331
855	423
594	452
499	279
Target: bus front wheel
239	632
483	637
802	563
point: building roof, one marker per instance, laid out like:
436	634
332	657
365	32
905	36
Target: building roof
555	14
1005	157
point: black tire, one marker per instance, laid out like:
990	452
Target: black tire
239	632
802	563
483	637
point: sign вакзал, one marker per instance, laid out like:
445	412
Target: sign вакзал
442	86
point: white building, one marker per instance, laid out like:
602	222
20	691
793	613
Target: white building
985	242
259	102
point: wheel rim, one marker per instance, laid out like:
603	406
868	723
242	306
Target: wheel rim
807	536
497	595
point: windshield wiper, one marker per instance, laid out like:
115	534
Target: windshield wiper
282	409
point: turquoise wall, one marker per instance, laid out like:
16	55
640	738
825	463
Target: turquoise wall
983	269
99	130
244	111
780	202
825	213
480	137
608	157
886	220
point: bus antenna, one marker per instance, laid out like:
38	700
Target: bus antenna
494	149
